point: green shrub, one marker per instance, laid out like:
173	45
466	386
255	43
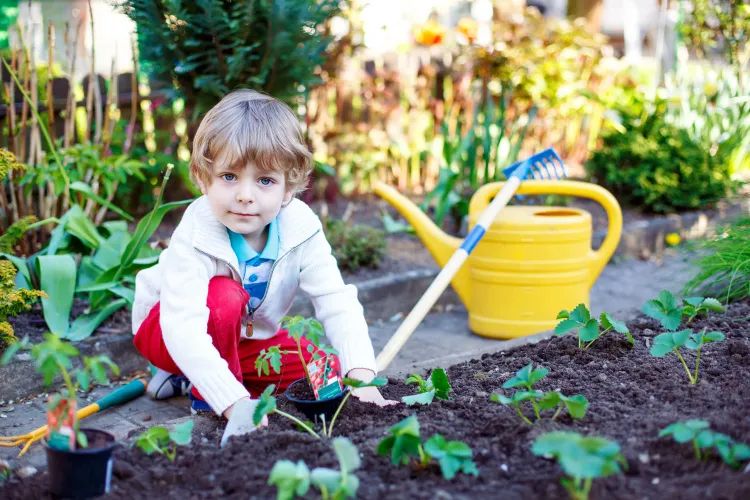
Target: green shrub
13	301
355	245
724	268
652	164
215	46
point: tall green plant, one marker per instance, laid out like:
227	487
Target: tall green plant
215	46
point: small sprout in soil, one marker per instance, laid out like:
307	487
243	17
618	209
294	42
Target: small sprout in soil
161	440
589	329
667	342
291	480
436	386
404	443
294	480
453	456
698	432
583	458
665	310
526	377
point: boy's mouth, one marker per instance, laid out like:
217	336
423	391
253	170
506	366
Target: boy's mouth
243	215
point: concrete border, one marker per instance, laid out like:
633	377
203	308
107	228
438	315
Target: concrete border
391	294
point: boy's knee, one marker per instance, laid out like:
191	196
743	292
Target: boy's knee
226	295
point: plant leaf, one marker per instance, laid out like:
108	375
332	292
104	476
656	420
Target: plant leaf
440	382
58	280
266	404
347	454
423	398
589	331
182	433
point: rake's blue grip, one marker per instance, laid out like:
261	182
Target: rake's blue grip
473	238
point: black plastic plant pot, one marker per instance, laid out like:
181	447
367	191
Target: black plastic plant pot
83	472
313	408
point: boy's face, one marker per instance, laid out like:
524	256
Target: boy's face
246	199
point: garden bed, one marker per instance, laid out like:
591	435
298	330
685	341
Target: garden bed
632	396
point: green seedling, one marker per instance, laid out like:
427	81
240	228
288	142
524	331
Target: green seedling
582	458
665	310
698	432
589	329
452	456
436	386
52	358
667	342
294	480
161	440
404	444
526	377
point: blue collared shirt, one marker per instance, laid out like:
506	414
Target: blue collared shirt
255	267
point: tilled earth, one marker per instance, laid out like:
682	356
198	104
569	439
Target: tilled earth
632	396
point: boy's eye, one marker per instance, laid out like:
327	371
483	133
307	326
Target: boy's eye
228	177
266	181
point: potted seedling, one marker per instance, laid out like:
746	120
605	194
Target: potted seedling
79	460
322	390
267	405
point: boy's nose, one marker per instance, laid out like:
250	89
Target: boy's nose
244	193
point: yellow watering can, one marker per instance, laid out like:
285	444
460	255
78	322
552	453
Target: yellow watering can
532	262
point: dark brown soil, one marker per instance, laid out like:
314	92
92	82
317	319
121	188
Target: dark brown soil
632	396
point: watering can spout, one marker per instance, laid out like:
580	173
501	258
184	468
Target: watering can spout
440	245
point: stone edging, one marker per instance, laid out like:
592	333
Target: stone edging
391	294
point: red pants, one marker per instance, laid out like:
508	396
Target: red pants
226	303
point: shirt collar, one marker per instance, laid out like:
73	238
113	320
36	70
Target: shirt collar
245	252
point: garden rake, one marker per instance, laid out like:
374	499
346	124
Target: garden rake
119	396
542	166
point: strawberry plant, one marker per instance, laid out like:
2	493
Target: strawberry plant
589	329
665	310
267	405
294	480
700	435
667	342
158	439
437	385
404	444
582	458
526	377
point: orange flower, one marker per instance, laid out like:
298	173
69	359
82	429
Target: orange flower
430	33
468	28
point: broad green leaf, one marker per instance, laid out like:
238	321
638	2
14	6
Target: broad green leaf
664	309
357	384
58	280
712	305
564	314
83	379
85	324
565	326
550	400
608	321
589	331
84	188
266	404
323	477
423	398
500	398
347	454
182	433
580	314
693	301
537	374
290	479
80	226
684	431
577	405
441	383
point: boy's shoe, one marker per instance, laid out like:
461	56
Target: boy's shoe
198	406
164	385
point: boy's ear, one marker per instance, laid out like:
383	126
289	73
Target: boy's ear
201	185
287	197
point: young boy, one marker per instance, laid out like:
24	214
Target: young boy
234	264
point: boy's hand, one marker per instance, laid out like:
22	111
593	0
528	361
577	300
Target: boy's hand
368	394
240	419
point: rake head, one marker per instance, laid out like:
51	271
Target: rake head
541	166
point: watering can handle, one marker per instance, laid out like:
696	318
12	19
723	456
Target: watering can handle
599	257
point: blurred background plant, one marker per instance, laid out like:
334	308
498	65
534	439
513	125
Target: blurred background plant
355	246
724	268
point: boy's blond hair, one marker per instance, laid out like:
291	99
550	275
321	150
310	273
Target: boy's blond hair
245	126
